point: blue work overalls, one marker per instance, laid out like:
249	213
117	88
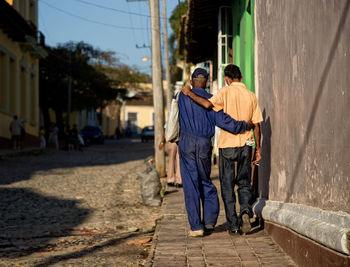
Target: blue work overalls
197	127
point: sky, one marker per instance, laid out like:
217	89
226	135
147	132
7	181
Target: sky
111	25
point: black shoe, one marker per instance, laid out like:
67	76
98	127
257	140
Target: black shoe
234	232
208	229
178	185
171	184
246	226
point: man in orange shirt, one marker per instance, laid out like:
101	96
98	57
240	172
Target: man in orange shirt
240	103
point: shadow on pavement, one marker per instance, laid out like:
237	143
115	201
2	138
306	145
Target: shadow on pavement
29	220
168	192
257	226
76	255
13	170
220	228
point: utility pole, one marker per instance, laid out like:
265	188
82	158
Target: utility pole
169	93
158	100
69	96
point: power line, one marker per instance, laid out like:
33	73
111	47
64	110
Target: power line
52	52
91	21
132	26
140	22
43	22
113	9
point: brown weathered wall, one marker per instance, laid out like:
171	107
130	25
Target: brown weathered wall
303	84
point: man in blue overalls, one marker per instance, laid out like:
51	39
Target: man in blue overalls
197	127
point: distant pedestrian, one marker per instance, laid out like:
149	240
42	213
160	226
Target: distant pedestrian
15	129
42	138
117	133
173	173
81	142
75	134
23	133
72	138
53	135
127	132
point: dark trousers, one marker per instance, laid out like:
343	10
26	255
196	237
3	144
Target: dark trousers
228	180
195	167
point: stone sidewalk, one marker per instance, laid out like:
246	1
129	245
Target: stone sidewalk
172	246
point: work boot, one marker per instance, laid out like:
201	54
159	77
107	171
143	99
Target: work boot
208	229
196	233
246	226
178	185
233	231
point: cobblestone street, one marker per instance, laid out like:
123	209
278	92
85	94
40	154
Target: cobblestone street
76	208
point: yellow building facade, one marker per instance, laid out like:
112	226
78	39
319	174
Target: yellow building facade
138	112
136	117
21	47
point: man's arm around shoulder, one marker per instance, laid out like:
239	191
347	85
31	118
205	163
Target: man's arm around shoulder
226	122
198	99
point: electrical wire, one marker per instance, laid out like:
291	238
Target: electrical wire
114	9
132	26
89	20
147	17
133	32
44	24
140	23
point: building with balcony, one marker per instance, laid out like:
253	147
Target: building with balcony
21	47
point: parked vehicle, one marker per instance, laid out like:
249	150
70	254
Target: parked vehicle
147	133
92	134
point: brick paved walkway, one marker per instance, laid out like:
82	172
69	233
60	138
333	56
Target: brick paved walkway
172	246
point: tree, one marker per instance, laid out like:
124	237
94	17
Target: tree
97	78
174	38
91	88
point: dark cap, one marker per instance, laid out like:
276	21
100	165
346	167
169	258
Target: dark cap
200	73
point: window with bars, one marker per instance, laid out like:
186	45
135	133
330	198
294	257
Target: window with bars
225	35
225	41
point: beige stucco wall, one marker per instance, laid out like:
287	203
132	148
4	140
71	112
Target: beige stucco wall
303	81
144	115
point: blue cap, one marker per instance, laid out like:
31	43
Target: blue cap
200	73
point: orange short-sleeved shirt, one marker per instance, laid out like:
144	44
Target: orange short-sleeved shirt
241	104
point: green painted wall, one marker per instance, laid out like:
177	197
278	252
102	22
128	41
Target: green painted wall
243	39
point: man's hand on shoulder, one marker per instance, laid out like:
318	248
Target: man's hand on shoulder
186	90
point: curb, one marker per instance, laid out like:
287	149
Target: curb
329	228
149	261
